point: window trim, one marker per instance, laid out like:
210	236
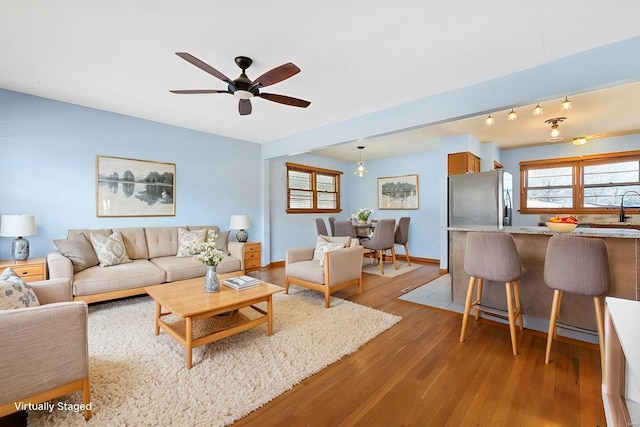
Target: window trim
577	164
314	171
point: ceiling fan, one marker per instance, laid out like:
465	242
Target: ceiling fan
243	87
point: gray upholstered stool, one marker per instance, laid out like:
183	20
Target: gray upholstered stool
493	256
578	265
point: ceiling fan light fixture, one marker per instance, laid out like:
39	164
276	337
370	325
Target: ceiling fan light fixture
243	94
489	121
360	170
537	111
512	115
566	104
555	132
581	140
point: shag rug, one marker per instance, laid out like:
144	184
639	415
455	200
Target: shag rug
139	379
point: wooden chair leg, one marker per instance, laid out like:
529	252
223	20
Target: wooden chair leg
555	308
467	307
86	397
286	284
512	318
406	252
381	261
393	257
516	291
600	323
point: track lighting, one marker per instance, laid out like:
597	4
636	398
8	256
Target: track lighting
512	115
360	170
489	120
566	104
538	110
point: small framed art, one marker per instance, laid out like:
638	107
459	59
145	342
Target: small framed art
398	192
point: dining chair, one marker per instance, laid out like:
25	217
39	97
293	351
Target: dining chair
344	228
332	226
402	235
383	239
321	227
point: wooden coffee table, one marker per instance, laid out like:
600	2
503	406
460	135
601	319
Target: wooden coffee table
188	300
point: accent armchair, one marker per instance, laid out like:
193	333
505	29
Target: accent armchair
44	352
341	268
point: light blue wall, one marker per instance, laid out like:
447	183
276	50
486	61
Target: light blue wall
49	153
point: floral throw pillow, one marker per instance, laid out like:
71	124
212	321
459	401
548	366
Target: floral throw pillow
14	292
323	246
110	250
188	240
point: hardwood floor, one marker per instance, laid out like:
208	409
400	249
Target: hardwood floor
418	373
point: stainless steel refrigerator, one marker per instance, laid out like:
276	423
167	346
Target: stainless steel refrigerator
483	198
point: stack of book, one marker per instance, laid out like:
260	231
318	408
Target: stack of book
241	282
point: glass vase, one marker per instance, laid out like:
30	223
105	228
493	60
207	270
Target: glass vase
211	283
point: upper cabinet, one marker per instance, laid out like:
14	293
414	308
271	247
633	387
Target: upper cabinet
465	162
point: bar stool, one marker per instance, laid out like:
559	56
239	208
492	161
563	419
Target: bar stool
493	256
578	265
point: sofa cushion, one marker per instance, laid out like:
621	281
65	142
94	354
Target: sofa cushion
109	250
162	241
323	245
189	240
222	239
14	292
306	270
135	274
135	242
79	250
188	268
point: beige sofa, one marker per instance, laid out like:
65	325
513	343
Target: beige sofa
153	253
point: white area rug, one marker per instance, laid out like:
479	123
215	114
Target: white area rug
138	379
389	271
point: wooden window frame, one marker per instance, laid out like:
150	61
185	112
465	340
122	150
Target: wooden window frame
577	164
314	171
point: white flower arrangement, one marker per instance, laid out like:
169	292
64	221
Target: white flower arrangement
364	214
208	254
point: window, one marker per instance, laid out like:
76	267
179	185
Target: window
588	184
312	190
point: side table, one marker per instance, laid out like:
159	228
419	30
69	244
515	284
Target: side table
252	256
31	270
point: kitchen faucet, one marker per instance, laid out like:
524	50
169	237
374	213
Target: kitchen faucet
622	215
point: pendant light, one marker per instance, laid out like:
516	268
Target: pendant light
360	170
537	111
489	120
581	140
555	131
512	115
566	104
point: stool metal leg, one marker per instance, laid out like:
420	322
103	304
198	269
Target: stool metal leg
478	297
555	309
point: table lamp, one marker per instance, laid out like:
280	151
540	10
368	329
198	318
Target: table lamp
18	226
240	222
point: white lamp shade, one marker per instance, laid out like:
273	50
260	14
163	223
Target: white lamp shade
239	222
17	225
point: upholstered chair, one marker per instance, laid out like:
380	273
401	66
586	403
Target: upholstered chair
325	271
493	256
382	240
44	349
332	227
402	235
321	227
578	265
344	229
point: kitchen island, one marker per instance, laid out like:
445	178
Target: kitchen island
577	311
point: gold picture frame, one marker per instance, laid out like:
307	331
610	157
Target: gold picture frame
131	187
398	192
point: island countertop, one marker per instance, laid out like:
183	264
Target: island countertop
623	233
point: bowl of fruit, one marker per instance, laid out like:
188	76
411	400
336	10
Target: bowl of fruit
562	224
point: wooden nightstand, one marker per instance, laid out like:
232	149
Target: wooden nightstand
252	256
31	270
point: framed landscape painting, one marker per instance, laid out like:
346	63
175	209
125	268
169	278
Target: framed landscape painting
130	187
398	192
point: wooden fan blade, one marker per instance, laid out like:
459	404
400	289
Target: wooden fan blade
203	66
195	91
244	107
276	75
282	99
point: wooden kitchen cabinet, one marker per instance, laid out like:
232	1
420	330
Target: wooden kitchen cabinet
31	270
465	162
252	254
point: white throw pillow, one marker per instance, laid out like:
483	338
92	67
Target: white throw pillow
14	292
189	240
323	246
110	250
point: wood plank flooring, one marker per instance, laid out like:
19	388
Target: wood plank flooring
418	374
